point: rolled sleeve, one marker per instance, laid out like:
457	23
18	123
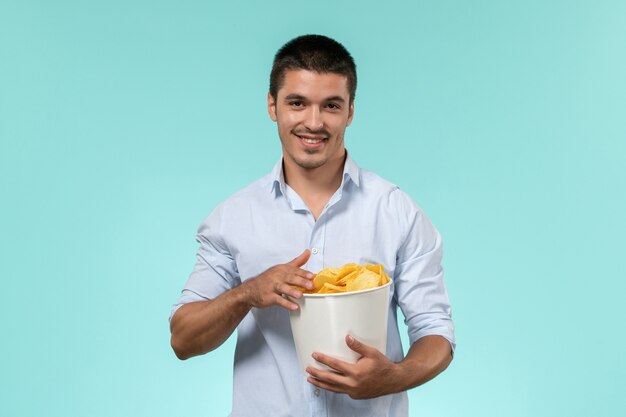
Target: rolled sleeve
215	271
418	277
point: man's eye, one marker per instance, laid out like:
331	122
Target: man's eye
332	106
295	103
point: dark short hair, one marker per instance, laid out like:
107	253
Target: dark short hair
313	53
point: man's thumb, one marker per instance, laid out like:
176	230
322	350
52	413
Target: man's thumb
357	346
301	259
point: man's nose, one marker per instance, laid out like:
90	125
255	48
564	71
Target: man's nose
313	120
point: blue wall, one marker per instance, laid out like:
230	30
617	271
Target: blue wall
122	124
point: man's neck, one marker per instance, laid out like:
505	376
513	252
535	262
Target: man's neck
315	186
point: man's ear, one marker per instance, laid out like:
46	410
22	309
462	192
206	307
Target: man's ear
271	106
350	114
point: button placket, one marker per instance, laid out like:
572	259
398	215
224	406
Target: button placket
316	245
318	402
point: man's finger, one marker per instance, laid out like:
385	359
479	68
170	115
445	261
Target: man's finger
336	364
360	347
304	273
326	386
328	377
283	302
301	282
289	290
301	259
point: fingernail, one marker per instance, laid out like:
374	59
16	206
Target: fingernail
350	338
314	356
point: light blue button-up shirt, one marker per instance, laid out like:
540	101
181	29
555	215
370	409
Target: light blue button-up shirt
367	220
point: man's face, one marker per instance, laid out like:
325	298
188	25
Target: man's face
312	111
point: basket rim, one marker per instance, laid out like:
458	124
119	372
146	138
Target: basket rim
345	294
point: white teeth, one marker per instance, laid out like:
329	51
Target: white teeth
312	141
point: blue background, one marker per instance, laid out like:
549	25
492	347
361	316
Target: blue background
123	124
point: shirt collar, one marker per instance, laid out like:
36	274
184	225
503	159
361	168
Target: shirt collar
350	172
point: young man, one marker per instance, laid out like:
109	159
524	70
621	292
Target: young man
316	209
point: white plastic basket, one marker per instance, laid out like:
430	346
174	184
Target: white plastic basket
323	321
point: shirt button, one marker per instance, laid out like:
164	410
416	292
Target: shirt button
317	392
314	251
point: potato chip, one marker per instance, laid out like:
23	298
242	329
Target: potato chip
332	271
330	288
352	275
349	277
345	270
365	280
322	278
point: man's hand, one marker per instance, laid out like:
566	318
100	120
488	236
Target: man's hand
373	375
268	288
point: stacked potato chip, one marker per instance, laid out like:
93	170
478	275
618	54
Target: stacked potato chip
350	277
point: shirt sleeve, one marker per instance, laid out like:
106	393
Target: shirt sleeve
215	271
418	278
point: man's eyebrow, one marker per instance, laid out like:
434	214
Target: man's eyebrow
336	98
294	96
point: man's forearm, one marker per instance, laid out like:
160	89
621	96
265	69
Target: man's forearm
427	358
200	327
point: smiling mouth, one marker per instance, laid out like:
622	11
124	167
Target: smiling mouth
311	142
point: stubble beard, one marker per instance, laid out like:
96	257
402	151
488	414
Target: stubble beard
307	163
